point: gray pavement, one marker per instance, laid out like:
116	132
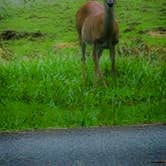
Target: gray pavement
114	146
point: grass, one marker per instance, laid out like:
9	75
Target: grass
40	78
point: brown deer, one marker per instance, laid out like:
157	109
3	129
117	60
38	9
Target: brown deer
96	25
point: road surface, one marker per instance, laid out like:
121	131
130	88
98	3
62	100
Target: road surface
115	146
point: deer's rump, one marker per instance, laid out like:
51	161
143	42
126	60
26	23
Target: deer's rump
90	8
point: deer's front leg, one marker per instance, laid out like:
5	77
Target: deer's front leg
98	74
112	56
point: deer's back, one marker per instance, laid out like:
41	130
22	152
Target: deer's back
88	9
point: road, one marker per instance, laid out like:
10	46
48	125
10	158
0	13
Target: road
115	146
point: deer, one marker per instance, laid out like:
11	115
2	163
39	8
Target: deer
96	25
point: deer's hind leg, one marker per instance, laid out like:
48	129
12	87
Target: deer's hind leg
83	59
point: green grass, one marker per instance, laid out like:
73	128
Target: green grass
40	78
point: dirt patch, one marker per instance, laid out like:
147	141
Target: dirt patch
129	29
131	26
13	35
158	32
162	11
138	48
142	32
4	54
65	45
1	17
37	17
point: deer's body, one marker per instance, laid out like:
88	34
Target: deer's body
96	25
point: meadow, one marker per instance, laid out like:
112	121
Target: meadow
40	67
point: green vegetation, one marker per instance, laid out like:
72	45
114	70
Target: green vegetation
40	67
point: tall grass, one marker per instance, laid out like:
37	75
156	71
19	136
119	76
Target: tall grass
33	89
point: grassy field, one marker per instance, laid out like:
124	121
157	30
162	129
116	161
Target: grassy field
40	67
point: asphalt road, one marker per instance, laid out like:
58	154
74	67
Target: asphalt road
116	146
